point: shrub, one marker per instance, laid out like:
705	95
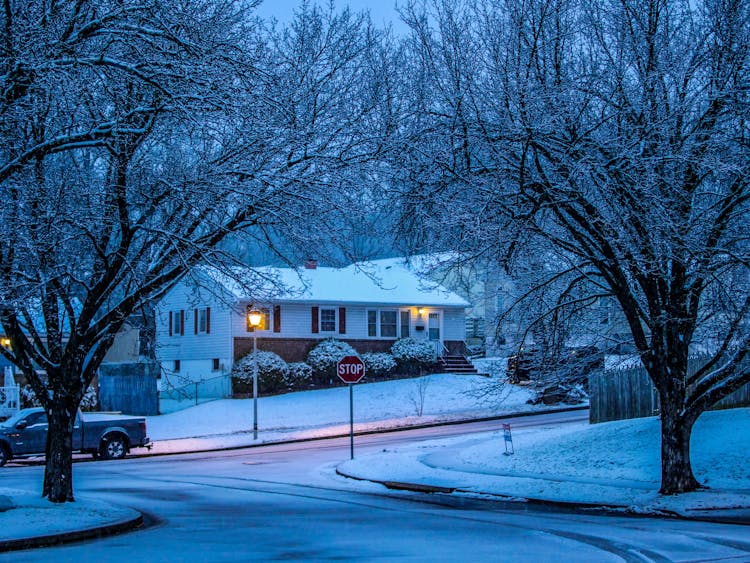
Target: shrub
28	397
324	357
90	401
413	356
299	375
272	373
379	364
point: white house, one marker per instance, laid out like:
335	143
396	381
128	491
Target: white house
201	331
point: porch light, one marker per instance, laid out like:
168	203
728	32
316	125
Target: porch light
5	342
420	311
254	317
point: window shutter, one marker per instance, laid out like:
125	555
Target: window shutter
277	318
208	320
195	321
315	318
342	320
170	323
182	322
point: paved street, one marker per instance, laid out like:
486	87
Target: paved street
286	502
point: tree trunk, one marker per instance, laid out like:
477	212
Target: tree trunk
58	471
676	469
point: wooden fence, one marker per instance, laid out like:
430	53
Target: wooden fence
129	388
619	394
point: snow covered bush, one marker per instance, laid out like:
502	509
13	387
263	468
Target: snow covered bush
413	356
379	364
272	373
324	357
90	401
299	375
28	397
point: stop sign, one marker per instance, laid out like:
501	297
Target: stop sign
350	369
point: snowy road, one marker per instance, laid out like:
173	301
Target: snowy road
285	502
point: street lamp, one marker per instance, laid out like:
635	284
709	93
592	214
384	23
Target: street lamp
254	317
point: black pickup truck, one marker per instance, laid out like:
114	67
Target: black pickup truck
104	435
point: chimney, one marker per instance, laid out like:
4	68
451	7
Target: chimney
311	264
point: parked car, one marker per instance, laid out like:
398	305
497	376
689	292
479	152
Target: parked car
104	435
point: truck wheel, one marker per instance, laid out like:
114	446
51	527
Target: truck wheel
113	446
4	457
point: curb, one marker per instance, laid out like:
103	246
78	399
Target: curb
73	536
569	505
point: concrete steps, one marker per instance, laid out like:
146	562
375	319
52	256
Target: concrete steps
458	364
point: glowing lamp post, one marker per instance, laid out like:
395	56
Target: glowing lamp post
254	317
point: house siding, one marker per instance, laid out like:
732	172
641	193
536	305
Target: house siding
296	322
454	324
289	332
195	352
297	349
296	338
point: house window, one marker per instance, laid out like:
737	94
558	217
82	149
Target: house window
405	323
203	321
176	366
372	323
177	323
388	325
215	365
328	320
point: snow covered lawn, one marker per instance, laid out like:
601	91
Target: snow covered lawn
325	412
614	463
25	514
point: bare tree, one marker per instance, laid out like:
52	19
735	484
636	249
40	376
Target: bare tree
617	131
142	139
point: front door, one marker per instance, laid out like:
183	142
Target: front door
434	323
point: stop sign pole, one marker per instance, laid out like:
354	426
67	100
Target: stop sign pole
351	369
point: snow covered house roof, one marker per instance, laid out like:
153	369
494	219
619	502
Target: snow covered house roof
378	282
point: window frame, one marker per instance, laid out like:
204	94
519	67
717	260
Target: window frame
394	324
327	322
372	323
202	320
377	323
178	322
404	313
